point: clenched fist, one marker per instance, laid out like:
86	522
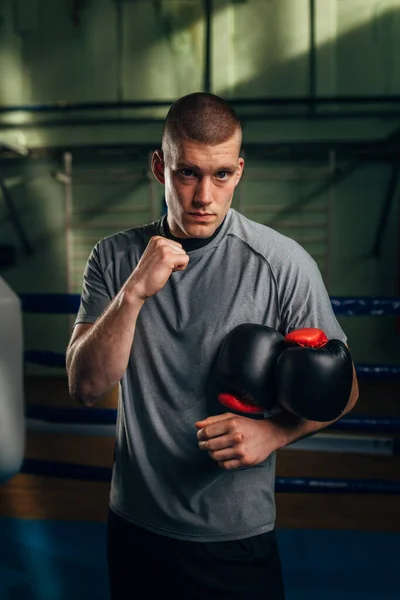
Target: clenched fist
161	258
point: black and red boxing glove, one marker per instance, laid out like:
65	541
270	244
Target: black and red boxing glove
314	375
246	368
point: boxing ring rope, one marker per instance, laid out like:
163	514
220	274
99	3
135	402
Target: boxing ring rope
282	484
48	358
101	422
41	303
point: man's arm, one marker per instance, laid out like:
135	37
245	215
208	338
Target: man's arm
235	441
290	429
98	354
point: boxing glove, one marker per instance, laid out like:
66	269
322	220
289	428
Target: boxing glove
314	375
245	368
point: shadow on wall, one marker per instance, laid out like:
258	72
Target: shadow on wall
97	46
361	60
266	51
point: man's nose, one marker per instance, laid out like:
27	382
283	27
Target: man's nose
203	194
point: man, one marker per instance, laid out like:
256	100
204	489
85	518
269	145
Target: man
192	507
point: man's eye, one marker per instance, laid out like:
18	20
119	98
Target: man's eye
187	172
222	174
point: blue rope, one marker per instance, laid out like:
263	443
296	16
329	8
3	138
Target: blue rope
47	358
108	416
361	306
367	424
69	304
32	466
54	304
79	415
282	484
325	485
378	371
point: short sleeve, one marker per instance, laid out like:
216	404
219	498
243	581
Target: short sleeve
305	301
95	296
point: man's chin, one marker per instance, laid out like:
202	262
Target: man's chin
200	230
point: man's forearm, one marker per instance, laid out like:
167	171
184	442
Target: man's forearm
290	429
97	360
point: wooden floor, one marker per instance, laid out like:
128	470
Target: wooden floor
42	497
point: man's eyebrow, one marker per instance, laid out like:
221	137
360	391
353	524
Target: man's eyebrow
228	168
182	165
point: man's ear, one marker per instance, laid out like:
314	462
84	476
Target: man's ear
240	170
157	166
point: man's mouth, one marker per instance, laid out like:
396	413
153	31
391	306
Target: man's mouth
201	216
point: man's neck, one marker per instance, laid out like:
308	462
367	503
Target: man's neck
189	244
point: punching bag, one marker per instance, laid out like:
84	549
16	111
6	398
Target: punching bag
12	418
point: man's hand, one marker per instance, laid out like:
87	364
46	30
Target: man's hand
234	441
161	258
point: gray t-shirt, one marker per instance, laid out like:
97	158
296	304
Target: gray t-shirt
248	273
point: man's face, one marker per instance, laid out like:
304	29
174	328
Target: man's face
199	184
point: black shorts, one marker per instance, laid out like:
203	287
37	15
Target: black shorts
143	564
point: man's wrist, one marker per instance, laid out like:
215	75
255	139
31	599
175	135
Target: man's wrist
287	428
130	295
